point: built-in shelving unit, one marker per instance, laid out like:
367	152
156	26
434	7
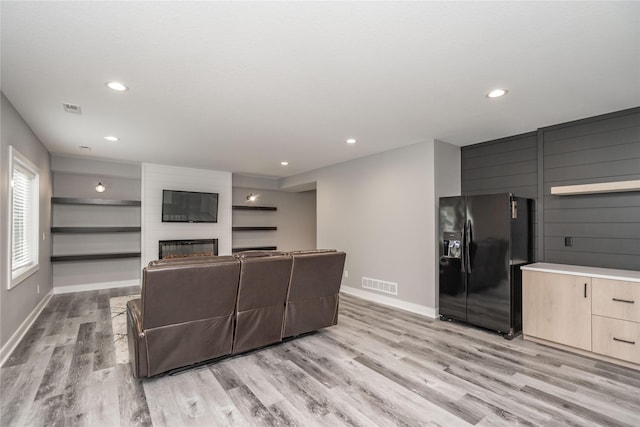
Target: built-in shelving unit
254	228
601	187
94	229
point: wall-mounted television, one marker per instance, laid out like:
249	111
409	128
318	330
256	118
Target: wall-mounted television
189	206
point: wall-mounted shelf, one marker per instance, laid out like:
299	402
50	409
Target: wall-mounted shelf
255	248
254	228
254	208
99	202
93	257
93	229
80	230
602	187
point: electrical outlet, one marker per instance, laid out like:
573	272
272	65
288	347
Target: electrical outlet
568	241
43	236
38	289
346	274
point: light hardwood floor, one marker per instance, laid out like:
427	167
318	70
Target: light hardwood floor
378	367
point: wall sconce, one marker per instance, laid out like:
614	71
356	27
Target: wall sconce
100	188
251	197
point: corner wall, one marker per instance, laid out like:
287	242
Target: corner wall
604	227
381	210
17	304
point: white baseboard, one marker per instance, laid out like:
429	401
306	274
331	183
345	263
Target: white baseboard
15	339
392	302
94	286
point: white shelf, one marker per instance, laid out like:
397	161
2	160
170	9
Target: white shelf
602	187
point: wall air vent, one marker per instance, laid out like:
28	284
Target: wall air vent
72	108
380	285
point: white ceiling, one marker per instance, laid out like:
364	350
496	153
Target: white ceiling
241	86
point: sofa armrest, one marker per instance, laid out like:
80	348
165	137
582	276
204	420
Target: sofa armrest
136	339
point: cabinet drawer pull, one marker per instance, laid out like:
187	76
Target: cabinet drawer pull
623	300
585	290
625	341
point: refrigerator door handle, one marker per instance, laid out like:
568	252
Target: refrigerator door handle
467	242
463	255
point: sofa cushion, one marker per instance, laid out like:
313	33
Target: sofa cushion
314	290
262	292
181	292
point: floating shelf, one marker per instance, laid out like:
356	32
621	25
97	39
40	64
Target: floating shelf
80	230
92	257
602	187
254	208
254	228
99	202
255	248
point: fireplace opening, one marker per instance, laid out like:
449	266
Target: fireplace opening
187	248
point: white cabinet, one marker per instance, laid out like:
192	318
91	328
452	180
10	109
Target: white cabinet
584	309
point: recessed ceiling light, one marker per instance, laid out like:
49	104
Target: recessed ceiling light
351	141
117	86
284	163
112	138
497	93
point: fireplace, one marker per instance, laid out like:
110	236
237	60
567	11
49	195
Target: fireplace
187	248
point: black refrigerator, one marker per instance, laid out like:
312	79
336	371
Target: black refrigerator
483	241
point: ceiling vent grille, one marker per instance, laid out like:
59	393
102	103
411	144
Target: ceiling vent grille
72	108
380	286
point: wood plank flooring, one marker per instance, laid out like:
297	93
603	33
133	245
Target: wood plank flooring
378	367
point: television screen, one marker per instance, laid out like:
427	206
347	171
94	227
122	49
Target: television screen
189	206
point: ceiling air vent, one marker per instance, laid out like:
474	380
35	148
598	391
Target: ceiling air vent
71	108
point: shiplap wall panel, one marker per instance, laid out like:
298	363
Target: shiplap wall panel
605	228
595	244
507	165
618	214
156	178
615	137
604	125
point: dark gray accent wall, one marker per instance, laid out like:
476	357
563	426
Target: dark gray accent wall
507	165
605	228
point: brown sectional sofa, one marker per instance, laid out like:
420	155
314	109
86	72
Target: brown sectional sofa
196	309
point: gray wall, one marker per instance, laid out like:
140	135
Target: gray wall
507	165
16	304
605	228
295	219
447	183
381	210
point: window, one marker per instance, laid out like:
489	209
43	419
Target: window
24	217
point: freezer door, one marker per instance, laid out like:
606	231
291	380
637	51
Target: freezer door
488	281
453	292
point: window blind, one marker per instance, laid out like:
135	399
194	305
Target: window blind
23	228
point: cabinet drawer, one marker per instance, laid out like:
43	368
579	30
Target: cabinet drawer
617	299
616	338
